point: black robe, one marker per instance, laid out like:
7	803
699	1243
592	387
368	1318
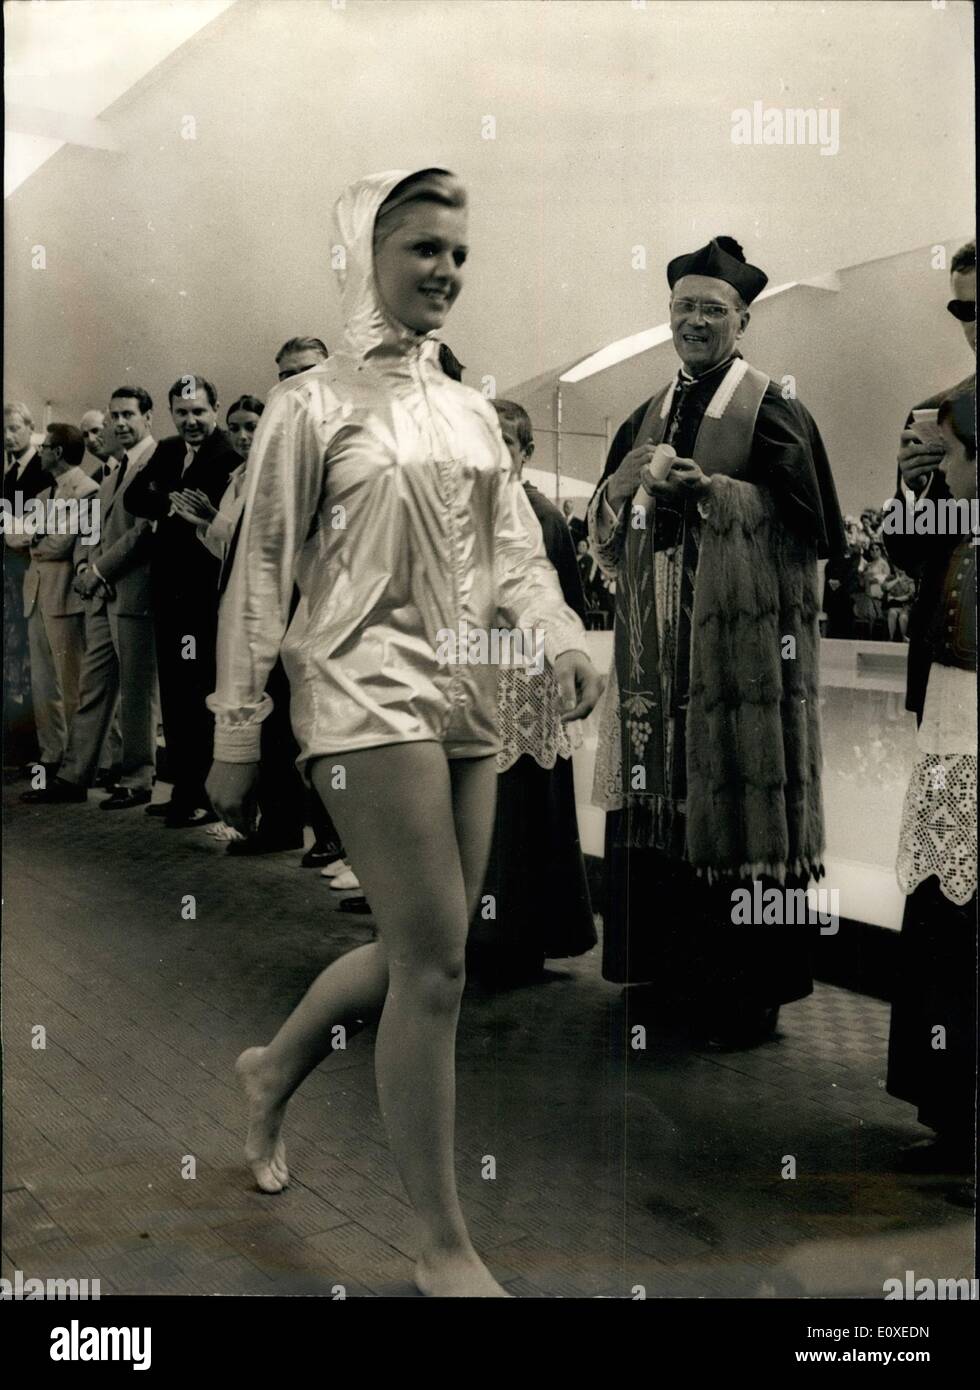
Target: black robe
536	873
663	925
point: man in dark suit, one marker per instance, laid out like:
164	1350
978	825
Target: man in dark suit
112	577
925	556
23	470
184	590
23	473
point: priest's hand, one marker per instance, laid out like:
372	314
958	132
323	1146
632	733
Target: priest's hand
688	477
231	789
579	685
684	479
622	486
917	461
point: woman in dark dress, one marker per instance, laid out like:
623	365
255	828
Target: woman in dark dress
535	903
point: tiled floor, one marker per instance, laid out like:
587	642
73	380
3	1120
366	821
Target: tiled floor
614	1168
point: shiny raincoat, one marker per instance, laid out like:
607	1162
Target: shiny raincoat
384	490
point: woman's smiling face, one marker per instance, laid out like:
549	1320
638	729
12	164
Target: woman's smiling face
418	265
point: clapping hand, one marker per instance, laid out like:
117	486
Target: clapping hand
194	506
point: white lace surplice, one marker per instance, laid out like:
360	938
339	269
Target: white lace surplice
529	718
939	820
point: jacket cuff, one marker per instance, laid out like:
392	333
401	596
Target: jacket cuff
562	636
242	744
238	734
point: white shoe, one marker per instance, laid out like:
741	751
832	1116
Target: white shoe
344	882
220	831
337	866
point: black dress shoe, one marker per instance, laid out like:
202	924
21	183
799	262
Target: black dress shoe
124	797
162	808
321	855
264	844
58	793
189	820
357	905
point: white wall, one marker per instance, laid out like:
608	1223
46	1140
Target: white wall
613	125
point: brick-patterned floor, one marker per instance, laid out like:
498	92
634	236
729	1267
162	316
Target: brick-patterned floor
614	1168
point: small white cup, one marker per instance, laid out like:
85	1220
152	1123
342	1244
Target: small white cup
659	466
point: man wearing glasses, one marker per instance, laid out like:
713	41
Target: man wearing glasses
716	500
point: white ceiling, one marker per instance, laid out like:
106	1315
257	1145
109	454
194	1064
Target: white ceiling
79	56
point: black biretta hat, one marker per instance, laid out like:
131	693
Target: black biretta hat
722	259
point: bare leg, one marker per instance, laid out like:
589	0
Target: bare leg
400	825
352	987
349	988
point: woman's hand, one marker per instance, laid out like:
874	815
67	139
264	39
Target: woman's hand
579	684
231	789
194	506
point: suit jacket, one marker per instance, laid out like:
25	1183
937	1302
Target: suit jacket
183	574
94	467
926	559
122	551
32	481
51	573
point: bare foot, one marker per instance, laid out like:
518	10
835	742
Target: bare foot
264	1149
459	1275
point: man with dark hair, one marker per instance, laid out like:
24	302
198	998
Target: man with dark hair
55	616
113	579
299	355
184	589
716	500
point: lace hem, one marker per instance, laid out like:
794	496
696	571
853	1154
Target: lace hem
607	778
939	826
529	719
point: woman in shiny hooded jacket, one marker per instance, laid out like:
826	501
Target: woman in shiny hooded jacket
384	488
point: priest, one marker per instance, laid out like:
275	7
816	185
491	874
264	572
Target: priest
716	501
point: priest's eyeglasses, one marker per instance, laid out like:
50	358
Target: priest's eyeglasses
708	309
963	309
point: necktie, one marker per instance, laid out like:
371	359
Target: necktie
120	473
